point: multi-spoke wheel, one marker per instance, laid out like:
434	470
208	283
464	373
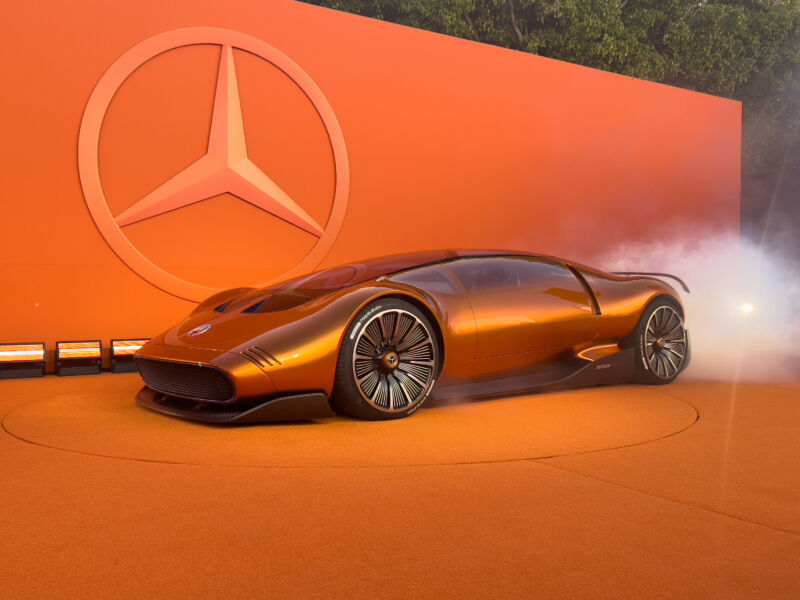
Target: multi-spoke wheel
662	342
388	362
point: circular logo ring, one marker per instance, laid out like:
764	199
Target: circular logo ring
89	139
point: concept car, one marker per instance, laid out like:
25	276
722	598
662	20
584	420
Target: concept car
374	339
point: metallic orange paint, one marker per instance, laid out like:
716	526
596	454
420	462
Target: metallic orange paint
492	328
620	299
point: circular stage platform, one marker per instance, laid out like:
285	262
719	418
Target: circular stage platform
98	416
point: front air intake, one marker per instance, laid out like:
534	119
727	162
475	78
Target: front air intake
185	380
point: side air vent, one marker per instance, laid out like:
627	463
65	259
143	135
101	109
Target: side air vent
261	358
221	308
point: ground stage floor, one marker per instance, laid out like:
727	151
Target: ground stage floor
685	491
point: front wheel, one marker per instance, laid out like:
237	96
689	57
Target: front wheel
662	345
387	363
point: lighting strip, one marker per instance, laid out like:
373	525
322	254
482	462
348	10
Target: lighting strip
66	350
126	347
21	352
595	353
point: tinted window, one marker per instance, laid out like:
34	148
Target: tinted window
298	291
431	279
492	275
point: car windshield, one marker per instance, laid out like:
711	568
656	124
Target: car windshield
296	291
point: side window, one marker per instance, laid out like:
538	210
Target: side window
481	276
485	275
520	305
433	279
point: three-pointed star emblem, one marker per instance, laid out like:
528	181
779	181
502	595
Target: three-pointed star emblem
224	168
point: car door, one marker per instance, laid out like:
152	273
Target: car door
525	304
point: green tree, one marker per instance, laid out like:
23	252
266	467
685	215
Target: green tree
743	49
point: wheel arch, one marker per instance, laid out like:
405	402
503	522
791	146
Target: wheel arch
629	339
664	294
673	298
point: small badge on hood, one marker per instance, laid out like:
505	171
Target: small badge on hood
198	330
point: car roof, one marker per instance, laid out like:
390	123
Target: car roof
341	276
394	263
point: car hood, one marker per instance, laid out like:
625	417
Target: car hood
207	329
210	330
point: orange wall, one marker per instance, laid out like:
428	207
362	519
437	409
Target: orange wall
448	143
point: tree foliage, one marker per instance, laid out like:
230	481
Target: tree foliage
743	49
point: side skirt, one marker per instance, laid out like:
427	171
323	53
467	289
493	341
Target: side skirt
613	368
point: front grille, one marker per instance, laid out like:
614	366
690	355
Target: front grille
185	380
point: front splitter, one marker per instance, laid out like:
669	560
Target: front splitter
297	407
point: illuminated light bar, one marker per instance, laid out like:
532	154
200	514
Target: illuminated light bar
21	352
78	349
122	352
22	360
597	352
79	358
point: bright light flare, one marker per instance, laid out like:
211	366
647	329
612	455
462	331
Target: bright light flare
742	312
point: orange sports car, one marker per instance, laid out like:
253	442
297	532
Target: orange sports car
374	339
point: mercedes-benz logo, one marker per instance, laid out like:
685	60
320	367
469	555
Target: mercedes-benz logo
225	167
198	330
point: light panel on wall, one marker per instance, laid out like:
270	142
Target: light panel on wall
79	358
22	360
122	352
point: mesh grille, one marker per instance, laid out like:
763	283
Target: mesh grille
185	380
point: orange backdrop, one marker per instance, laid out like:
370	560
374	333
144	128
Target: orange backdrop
443	143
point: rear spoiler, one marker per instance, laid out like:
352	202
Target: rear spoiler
678	279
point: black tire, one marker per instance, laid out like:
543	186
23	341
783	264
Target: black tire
661	342
388	362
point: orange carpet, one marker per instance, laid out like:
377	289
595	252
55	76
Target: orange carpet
684	491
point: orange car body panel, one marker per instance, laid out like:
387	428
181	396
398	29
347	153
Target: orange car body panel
621	299
483	334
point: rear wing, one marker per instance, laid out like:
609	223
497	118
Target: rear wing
676	278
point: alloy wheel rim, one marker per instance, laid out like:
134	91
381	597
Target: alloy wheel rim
665	342
394	361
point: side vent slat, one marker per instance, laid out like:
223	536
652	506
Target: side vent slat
253	360
260	357
271	360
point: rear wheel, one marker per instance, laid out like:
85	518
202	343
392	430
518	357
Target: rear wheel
661	342
387	363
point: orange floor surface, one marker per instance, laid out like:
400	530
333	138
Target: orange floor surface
690	490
